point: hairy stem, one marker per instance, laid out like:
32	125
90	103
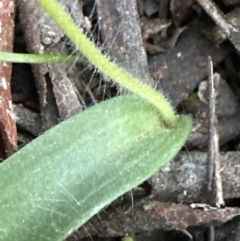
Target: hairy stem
102	62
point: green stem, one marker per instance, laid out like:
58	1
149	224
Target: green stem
100	61
35	58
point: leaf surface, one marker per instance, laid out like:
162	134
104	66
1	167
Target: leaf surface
56	183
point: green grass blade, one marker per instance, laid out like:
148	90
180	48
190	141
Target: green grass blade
36	58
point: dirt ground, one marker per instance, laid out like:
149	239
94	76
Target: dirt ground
166	43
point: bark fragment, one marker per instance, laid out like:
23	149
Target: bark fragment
150	215
8	132
184	179
120	27
58	95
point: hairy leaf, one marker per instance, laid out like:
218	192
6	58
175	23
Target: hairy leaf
56	183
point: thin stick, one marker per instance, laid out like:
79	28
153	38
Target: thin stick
218	17
214	185
211	132
211	142
214	172
211	233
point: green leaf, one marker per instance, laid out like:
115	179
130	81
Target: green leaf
56	183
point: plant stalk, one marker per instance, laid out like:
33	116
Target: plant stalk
103	63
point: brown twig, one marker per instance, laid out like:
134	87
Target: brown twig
214	186
232	33
212	142
124	41
56	84
148	215
8	131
